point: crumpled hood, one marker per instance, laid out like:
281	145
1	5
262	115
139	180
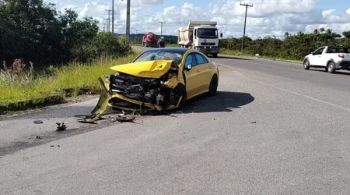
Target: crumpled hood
146	69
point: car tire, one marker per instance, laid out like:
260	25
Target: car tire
213	86
215	55
331	68
306	65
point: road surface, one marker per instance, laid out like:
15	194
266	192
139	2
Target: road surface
273	128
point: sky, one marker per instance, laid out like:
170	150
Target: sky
266	18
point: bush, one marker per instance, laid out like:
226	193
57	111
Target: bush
293	47
34	31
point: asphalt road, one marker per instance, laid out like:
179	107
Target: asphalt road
273	128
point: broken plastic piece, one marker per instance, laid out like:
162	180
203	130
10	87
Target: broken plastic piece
125	118
61	127
38	122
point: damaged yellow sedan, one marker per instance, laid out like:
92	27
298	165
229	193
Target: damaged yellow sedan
159	79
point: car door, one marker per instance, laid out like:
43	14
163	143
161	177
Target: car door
192	75
316	58
205	72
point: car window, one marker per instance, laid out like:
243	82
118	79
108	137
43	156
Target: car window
319	51
201	59
337	50
191	60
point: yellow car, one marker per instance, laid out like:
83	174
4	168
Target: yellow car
158	79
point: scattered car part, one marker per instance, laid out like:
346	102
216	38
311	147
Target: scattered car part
125	118
38	122
61	127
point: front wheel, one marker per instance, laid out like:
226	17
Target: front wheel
213	86
306	65
215	55
331	67
179	96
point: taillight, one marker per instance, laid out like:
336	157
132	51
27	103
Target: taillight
341	55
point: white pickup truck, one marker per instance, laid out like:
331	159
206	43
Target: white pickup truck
329	58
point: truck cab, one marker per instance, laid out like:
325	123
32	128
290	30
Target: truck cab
202	36
206	39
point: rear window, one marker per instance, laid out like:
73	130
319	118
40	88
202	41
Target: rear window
337	50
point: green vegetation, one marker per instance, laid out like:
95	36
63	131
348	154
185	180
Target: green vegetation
59	51
27	89
36	32
292	47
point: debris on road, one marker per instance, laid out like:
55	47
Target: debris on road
125	118
61	127
38	122
38	137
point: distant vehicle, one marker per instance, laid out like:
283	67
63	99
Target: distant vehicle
200	35
329	58
149	40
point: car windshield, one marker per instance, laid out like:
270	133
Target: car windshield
160	55
206	33
337	50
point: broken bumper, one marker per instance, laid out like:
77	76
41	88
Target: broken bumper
116	100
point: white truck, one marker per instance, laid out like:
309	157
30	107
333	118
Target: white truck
328	57
200	35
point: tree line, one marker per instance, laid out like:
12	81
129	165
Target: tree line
292	46
34	31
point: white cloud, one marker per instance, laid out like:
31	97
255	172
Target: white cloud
328	12
266	18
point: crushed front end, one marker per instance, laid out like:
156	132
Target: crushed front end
156	86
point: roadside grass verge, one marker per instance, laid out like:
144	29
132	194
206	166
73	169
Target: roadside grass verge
26	91
243	54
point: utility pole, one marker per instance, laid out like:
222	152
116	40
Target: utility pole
108	20
127	37
113	17
245	20
161	28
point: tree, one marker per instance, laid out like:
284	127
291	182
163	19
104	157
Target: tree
34	31
347	34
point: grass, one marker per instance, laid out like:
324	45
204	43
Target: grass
23	91
242	54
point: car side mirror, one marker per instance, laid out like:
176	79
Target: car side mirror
188	66
221	35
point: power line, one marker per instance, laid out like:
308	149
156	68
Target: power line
245	20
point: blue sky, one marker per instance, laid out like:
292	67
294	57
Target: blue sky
266	18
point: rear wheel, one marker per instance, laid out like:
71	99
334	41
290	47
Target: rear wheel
331	67
215	55
213	86
306	65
